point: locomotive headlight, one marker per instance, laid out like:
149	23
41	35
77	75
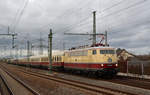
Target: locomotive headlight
102	65
116	65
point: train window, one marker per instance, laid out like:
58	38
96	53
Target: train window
107	52
79	53
60	58
44	59
68	54
55	58
102	51
84	53
94	52
111	52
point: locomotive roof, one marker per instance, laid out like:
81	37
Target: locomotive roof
39	56
55	53
89	48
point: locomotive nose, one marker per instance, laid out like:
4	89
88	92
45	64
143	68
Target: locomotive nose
109	60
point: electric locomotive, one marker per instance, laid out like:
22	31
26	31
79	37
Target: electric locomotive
97	60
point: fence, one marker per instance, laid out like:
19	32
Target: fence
135	67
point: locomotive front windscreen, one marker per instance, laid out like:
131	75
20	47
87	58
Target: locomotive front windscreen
107	51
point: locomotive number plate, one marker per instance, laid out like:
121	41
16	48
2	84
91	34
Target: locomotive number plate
109	65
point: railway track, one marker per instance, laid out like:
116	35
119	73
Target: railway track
138	86
76	84
129	81
123	80
4	87
14	85
135	82
94	88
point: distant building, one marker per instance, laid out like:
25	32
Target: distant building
124	55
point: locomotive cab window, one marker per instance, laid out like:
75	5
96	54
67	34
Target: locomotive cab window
107	52
111	51
94	52
102	52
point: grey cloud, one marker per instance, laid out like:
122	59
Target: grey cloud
127	29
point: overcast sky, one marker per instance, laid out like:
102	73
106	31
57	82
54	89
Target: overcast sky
127	22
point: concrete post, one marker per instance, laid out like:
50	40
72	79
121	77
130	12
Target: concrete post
50	51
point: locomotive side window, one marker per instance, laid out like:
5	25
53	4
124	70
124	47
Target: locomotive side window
79	53
85	53
94	52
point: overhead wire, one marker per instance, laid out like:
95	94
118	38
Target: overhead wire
19	15
118	11
87	18
129	20
121	10
66	13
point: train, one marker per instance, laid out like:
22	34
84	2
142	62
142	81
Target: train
99	61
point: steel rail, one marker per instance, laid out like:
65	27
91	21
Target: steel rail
6	85
85	86
20	81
